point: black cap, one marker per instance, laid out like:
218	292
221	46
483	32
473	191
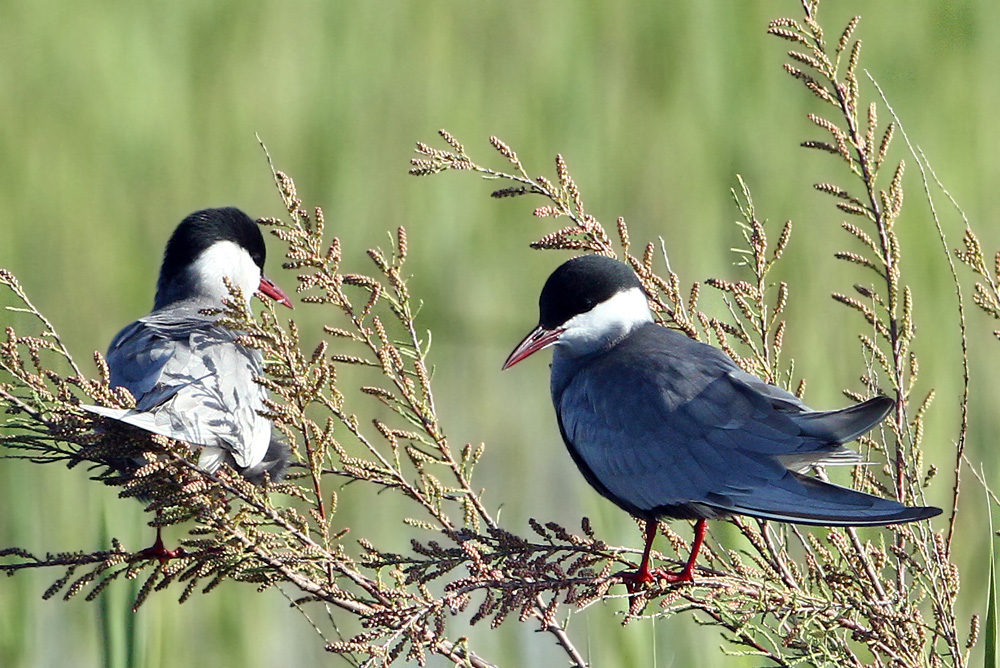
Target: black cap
195	235
579	285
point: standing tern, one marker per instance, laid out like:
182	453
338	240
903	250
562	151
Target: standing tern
665	426
190	378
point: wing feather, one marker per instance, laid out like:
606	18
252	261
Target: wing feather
668	423
192	382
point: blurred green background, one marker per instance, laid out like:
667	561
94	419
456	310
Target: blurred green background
120	118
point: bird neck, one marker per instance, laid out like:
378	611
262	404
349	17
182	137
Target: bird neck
604	326
204	279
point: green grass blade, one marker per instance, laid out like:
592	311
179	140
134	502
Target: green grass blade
990	645
990	660
106	617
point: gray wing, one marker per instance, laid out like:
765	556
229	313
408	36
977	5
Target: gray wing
666	425
192	382
838	426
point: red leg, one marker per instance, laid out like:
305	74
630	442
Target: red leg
643	574
158	551
687	575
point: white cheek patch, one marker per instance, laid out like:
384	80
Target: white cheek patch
608	321
225	259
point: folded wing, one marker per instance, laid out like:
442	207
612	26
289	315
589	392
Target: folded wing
674	427
191	382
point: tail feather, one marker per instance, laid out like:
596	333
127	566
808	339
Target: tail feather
113	413
846	424
141	419
275	462
802	499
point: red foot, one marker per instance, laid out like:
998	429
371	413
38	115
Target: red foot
634	580
643	575
158	551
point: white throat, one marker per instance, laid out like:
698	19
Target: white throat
224	259
605	324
